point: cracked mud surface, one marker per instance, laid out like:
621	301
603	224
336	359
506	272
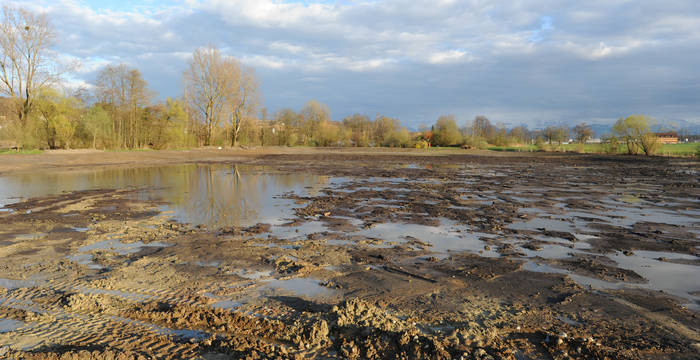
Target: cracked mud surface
346	255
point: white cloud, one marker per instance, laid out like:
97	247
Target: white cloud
286	47
448	57
263	61
603	50
539	49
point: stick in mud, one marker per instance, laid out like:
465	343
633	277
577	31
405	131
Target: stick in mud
409	274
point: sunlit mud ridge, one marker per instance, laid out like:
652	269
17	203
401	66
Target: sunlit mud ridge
354	256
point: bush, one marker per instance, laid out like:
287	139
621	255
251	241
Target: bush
421	144
540	145
650	144
612	146
697	153
475	142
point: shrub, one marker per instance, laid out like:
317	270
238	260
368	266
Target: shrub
421	144
540	145
612	146
649	144
475	142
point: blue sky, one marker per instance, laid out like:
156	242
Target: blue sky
534	62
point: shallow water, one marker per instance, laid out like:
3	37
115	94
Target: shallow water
306	287
7	325
243	195
16	284
676	279
214	195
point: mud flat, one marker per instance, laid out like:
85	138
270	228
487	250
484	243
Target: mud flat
347	254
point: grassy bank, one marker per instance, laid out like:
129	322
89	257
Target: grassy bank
20	152
688	149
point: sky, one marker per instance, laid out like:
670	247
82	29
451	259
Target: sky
534	62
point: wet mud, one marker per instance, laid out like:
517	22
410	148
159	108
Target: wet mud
343	255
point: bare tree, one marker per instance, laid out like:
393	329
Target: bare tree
481	127
25	63
206	83
242	96
313	115
583	132
125	93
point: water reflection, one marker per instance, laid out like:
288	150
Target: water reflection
214	195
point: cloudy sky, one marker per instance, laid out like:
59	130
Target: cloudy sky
533	62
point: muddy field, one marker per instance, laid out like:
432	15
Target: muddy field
327	254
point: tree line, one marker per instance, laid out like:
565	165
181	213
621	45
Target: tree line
221	105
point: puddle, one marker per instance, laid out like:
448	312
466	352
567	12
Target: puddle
113	245
11	284
184	334
34	236
677	279
227	304
299	232
448	237
307	287
580	279
553	224
84	259
550	252
7	325
119	247
279	246
214	195
680	280
190	335
252	274
208	263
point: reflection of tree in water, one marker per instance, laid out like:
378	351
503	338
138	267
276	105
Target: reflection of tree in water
237	194
42	184
217	195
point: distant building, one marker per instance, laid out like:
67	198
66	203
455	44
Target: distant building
594	141
667	137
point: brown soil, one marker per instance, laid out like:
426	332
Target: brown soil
380	299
